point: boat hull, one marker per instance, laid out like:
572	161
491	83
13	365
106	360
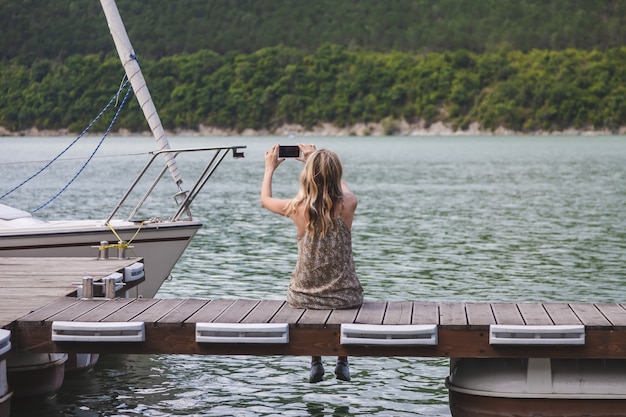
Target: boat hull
5	393
537	387
466	405
35	374
159	244
81	362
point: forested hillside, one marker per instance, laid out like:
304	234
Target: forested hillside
57	29
538	90
524	65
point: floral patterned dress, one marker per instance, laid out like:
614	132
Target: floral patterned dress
325	276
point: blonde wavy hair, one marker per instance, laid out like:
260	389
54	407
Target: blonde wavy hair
320	191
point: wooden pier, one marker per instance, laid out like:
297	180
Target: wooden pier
462	329
40	307
38	294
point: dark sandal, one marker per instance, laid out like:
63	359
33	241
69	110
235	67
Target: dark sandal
342	371
317	372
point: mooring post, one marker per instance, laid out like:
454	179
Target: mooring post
103	253
87	288
109	287
121	250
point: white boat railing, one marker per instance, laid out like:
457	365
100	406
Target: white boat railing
219	153
133	72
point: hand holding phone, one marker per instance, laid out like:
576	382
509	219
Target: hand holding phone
288	151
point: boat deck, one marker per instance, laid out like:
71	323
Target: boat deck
462	329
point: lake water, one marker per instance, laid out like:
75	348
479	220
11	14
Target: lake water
439	218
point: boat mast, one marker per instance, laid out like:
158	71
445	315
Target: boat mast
133	72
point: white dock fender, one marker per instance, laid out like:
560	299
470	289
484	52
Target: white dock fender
76	331
382	334
502	334
242	333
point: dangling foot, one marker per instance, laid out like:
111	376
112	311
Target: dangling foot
342	371
317	371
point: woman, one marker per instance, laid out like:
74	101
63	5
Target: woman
323	210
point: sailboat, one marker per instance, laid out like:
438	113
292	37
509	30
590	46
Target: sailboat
159	241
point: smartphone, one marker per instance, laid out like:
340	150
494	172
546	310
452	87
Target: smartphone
288	151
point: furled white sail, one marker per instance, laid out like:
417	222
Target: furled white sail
133	71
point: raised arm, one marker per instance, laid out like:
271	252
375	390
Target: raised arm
275	205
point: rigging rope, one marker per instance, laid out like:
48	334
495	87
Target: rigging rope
83	133
106	133
121	243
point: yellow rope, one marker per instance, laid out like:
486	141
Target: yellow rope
121	244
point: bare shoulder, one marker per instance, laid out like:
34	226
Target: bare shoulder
349	200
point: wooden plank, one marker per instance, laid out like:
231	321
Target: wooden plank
534	314
264	311
156	311
589	315
237	311
479	314
425	312
77	309
452	314
507	313
287	314
371	312
347	315
183	311
30	283
49	310
315	318
398	312
64	272
615	313
12	312
104	310
23	302
210	311
561	314
51	286
131	310
61	266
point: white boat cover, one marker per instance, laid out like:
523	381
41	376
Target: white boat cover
11	213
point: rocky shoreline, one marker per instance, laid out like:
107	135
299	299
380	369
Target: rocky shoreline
400	128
